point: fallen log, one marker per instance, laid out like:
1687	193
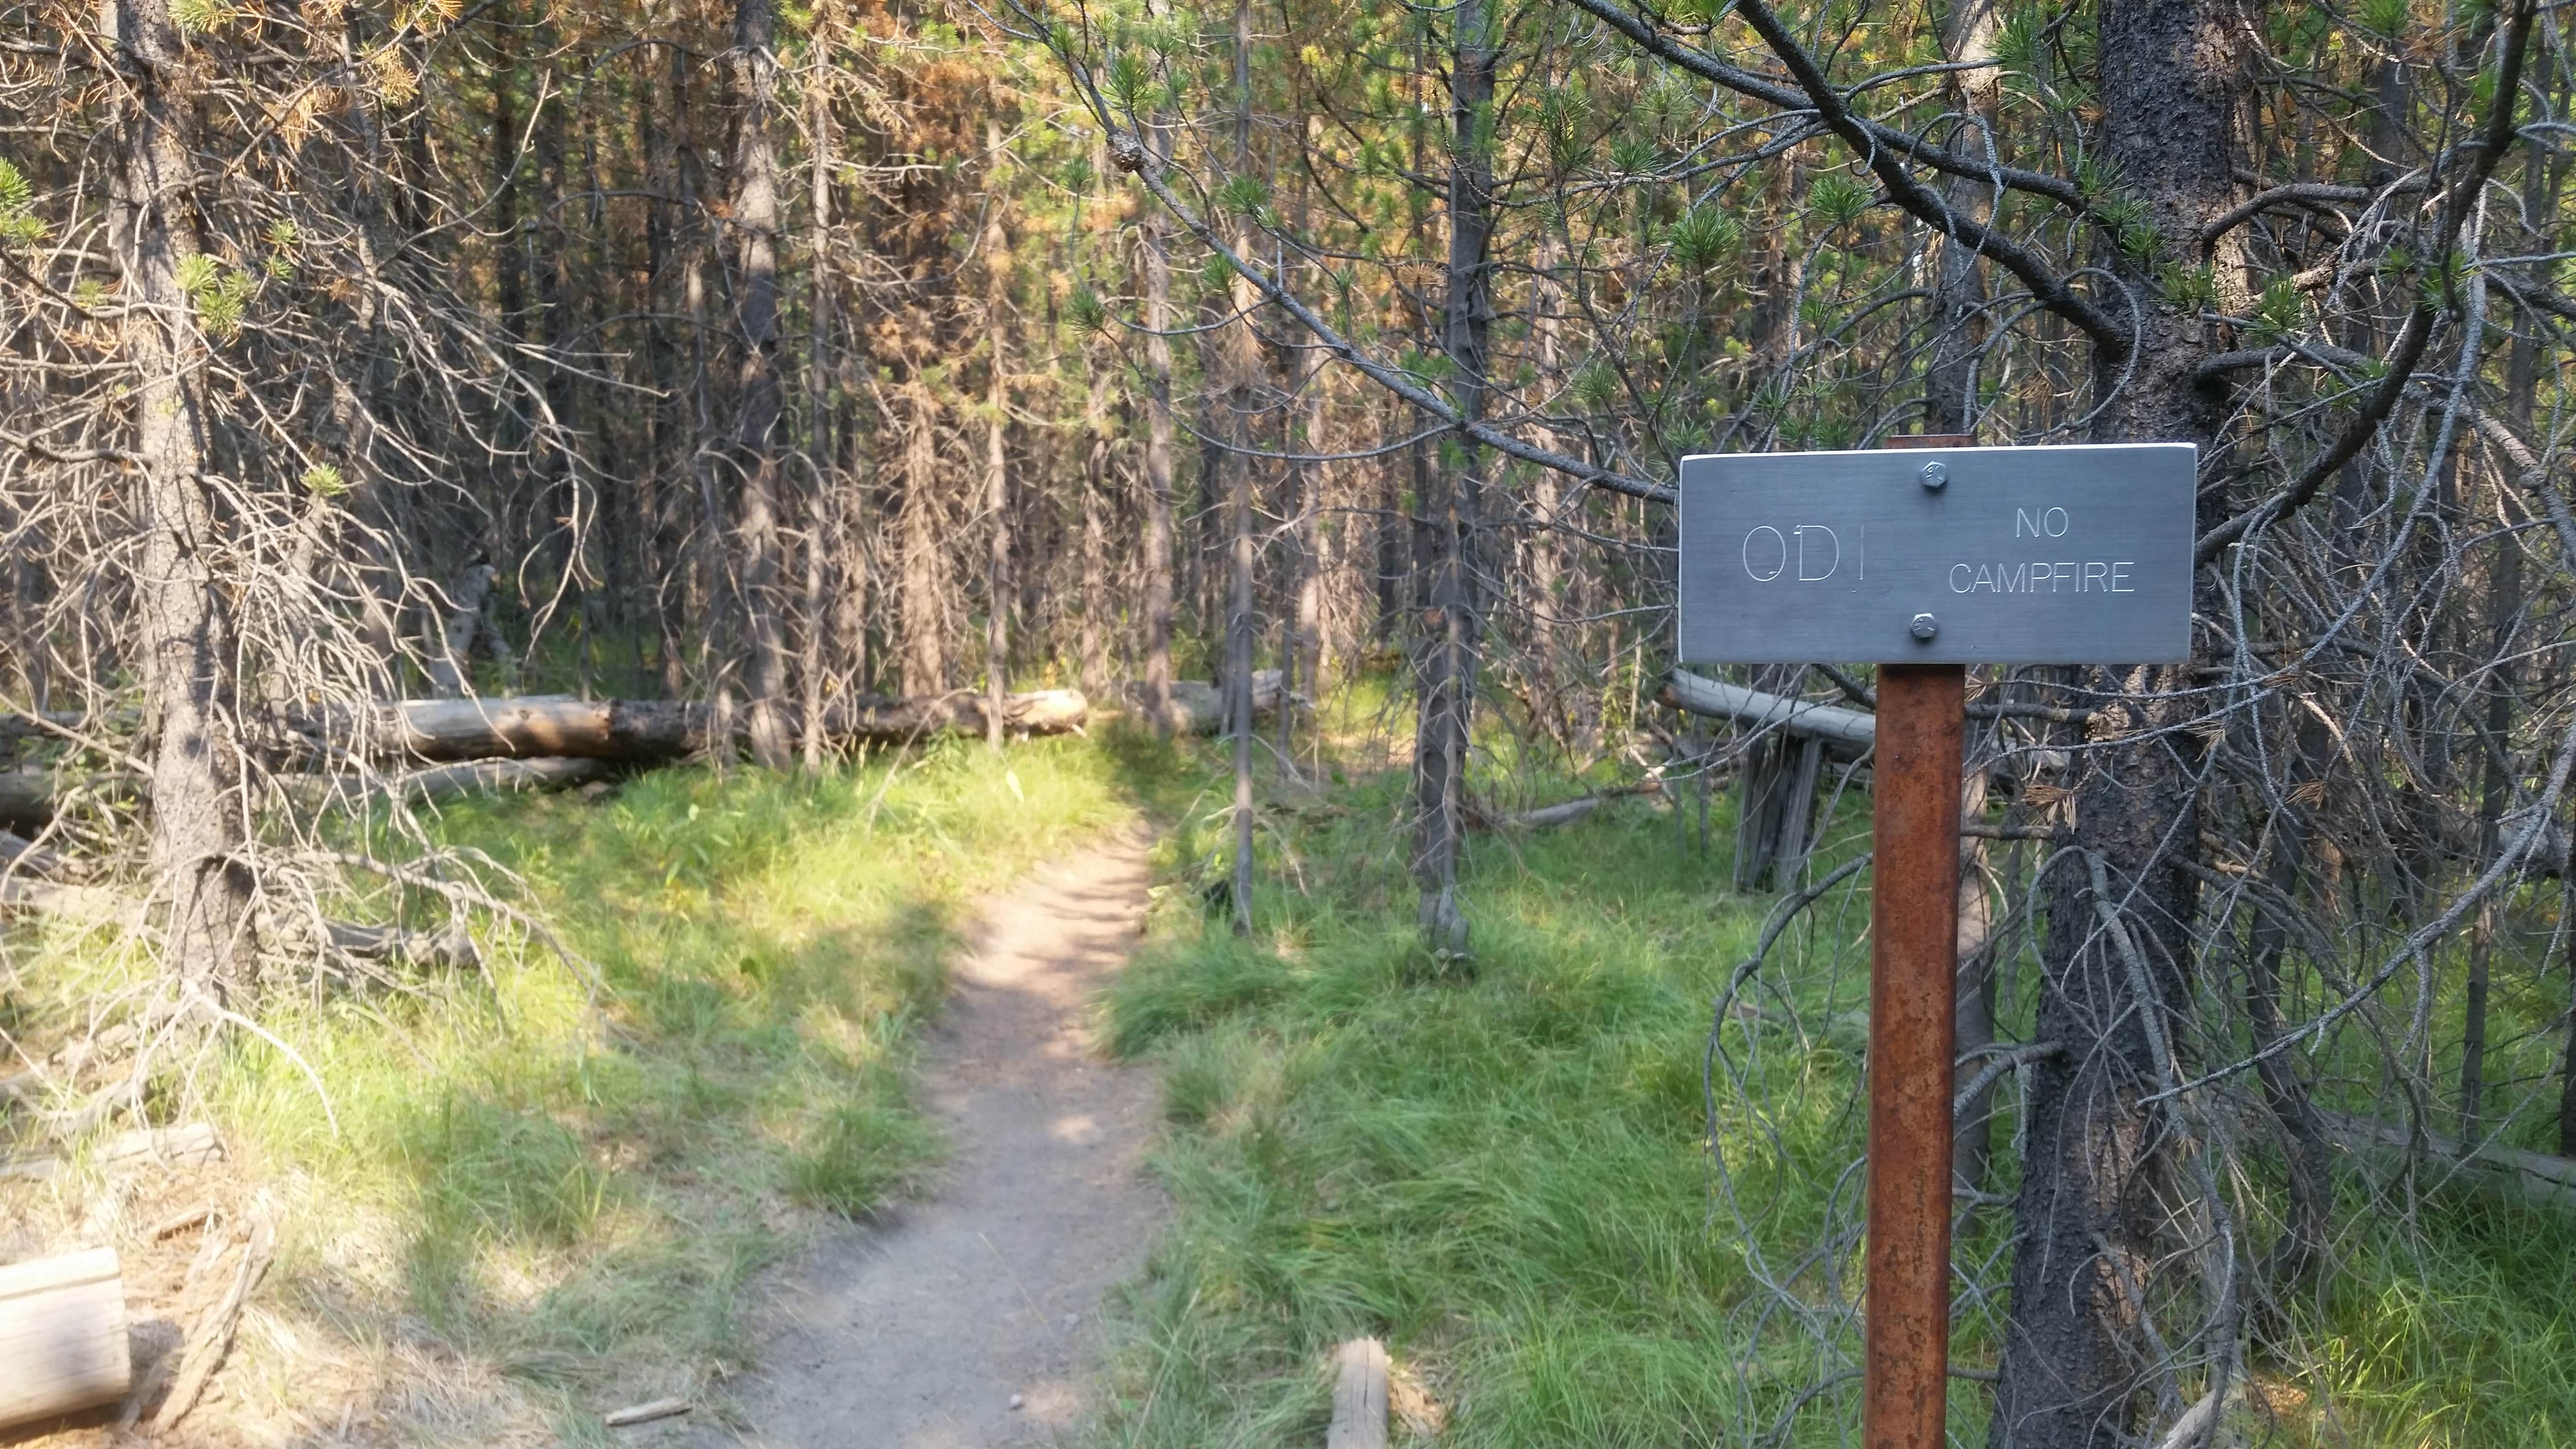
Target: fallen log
411	948
85	905
29	798
644	731
1564	812
21	856
477	777
1715	699
62	1336
1360	1375
1198	707
2537	1177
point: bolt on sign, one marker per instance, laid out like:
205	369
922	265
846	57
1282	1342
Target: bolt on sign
2072	555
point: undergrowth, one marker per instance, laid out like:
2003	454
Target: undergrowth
567	1185
1498	1165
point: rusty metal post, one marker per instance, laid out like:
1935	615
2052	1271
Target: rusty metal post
1914	961
1913	1041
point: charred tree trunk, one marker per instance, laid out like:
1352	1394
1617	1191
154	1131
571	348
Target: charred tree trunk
199	814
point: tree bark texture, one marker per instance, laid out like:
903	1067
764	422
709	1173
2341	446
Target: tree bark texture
1446	660
757	441
2096	1190
199	819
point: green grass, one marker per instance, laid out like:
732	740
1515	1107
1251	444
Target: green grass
1500	1167
566	1192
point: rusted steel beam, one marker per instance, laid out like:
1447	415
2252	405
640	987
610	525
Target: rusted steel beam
1914	960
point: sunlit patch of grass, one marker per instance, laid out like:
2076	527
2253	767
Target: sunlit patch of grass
572	1186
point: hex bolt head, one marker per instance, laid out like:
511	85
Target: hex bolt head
1935	474
1925	626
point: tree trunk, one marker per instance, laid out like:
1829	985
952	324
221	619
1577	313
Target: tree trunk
821	525
1950	404
1156	263
199	816
1092	645
997	482
2096	1197
1446	667
925	655
755	223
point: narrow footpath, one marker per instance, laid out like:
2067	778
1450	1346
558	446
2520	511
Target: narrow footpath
969	1320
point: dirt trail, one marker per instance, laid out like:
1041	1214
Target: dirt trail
918	1333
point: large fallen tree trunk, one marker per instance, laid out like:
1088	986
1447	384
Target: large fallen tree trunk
643	731
522	742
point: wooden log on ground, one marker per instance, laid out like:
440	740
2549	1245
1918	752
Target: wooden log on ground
479	777
26	799
1198	707
21	856
2536	1177
393	943
1564	812
29	798
1715	699
645	731
86	905
1359	1396
62	1336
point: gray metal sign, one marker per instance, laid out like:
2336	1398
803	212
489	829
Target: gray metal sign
2074	555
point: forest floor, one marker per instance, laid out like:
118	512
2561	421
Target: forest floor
972	1317
511	1201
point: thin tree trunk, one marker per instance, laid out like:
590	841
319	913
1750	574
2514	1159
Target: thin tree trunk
755	223
1950	405
1445	674
997	562
1092	643
1156	263
821	530
198	812
925	655
1238	351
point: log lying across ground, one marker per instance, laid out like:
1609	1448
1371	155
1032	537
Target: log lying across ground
1198	707
1692	694
2535	1176
644	731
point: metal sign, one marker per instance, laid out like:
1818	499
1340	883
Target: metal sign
2073	555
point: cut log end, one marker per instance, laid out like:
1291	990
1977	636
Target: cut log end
1359	1396
62	1336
